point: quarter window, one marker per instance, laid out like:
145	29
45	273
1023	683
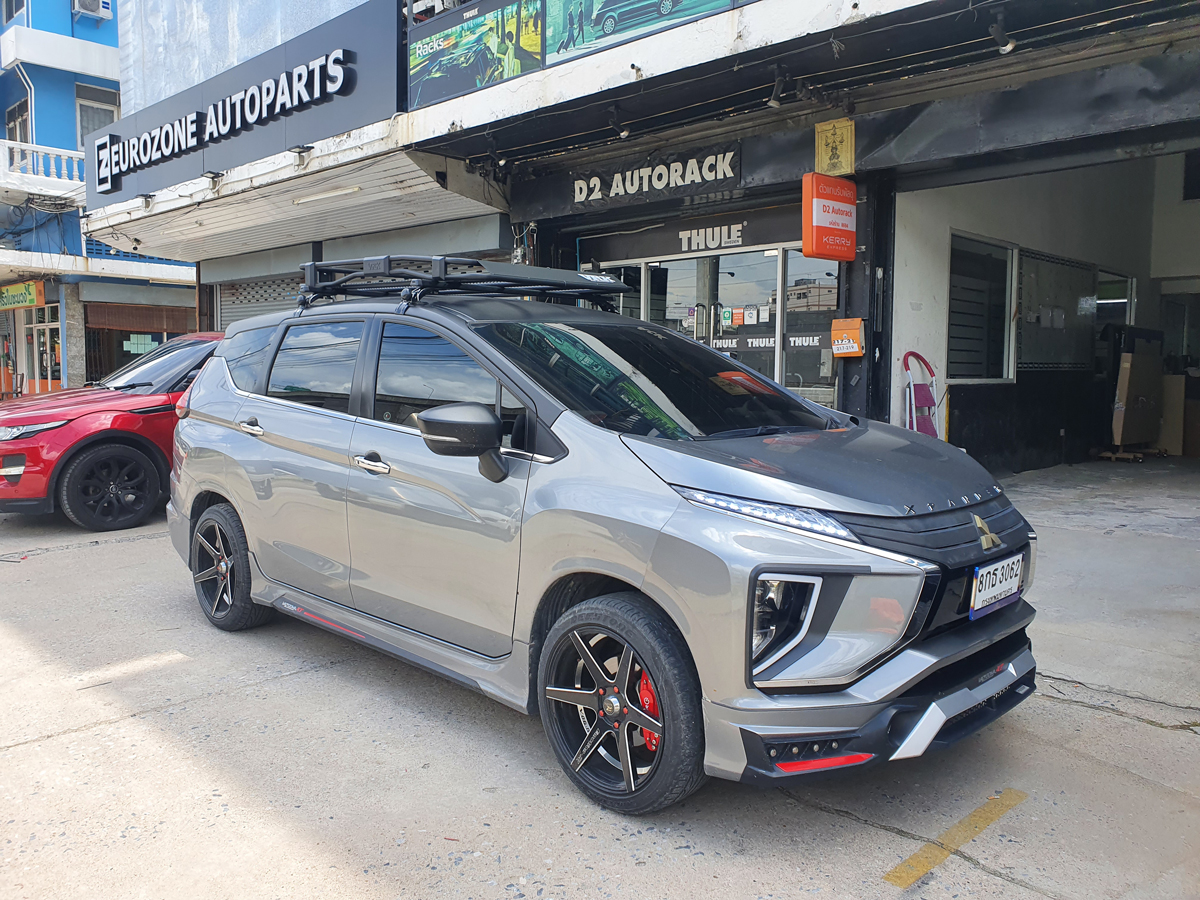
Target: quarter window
315	365
246	353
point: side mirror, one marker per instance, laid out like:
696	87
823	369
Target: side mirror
466	429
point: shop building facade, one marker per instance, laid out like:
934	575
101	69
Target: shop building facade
72	309
1022	174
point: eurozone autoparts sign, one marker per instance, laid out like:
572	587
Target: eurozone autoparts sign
298	88
657	176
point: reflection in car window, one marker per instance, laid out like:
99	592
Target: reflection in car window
162	368
419	370
315	364
246	353
637	379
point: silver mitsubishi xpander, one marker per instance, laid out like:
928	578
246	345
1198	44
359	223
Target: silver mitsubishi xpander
685	569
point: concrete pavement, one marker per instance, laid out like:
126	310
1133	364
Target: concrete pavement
145	754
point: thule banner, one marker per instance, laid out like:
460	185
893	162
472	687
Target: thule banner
341	75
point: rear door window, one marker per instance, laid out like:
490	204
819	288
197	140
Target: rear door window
315	364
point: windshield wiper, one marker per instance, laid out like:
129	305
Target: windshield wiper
131	385
753	432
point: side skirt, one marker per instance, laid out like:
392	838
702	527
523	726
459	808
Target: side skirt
505	678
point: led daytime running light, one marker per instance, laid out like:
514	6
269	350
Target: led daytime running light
791	516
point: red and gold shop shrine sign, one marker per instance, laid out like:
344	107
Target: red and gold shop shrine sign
830	211
18	296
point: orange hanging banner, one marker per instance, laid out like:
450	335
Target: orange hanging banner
830	213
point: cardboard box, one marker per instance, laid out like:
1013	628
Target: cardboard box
1137	412
1170	435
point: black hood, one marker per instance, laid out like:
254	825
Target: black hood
870	468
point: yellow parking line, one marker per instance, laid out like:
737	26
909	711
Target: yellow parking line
937	852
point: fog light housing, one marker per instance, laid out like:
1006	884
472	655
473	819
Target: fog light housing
782	610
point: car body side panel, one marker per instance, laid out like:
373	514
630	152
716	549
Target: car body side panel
597	510
435	545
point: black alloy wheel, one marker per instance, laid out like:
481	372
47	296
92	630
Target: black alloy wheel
110	487
220	564
620	702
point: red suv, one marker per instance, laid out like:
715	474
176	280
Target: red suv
102	452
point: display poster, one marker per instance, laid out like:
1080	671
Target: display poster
472	47
574	27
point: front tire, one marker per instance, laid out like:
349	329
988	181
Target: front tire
109	487
620	701
609	25
220	564
665	7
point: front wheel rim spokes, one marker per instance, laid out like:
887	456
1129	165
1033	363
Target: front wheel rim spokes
219	600
604	709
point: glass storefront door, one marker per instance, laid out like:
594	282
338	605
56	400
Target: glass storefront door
43	350
729	301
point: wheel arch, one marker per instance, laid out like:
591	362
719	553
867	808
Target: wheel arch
568	592
111	436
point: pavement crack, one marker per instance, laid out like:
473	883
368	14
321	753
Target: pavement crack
1183	726
159	708
913	836
18	555
1105	689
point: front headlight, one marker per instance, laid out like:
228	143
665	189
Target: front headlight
12	432
782	613
792	516
872	618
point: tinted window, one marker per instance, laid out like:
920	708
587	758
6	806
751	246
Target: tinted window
419	370
315	364
163	368
246	354
637	379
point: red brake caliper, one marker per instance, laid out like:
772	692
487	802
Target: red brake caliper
650	705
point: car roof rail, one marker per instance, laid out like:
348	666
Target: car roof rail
409	278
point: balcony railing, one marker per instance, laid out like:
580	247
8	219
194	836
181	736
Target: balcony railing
41	170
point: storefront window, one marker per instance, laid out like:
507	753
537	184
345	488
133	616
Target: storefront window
812	305
980	288
43	350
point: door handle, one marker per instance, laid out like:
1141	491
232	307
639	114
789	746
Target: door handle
251	426
376	465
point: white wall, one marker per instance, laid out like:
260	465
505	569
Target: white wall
1101	215
1176	223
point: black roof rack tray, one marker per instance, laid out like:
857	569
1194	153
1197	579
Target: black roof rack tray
410	277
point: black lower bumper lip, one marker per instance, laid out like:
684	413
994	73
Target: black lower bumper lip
32	505
913	725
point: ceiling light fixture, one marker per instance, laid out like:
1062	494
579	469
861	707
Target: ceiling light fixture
1000	36
614	120
500	161
327	195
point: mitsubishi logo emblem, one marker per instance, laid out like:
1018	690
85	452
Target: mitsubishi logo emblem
986	538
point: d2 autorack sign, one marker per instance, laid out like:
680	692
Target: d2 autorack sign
830	217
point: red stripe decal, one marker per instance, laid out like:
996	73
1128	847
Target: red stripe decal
305	612
829	762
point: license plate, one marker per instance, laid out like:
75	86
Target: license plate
996	585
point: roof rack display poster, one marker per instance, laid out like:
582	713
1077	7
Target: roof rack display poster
830	217
471	47
574	27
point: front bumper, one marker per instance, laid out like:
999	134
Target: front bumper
916	722
24	477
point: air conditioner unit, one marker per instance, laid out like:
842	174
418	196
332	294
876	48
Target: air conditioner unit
96	9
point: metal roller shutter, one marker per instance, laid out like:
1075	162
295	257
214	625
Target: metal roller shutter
241	300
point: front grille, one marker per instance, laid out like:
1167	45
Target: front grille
949	538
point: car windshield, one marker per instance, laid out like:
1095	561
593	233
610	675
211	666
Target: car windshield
637	379
161	369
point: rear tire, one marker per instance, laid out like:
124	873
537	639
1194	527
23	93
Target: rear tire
609	25
595	711
665	7
109	487
220	564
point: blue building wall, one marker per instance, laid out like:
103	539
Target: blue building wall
55	16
